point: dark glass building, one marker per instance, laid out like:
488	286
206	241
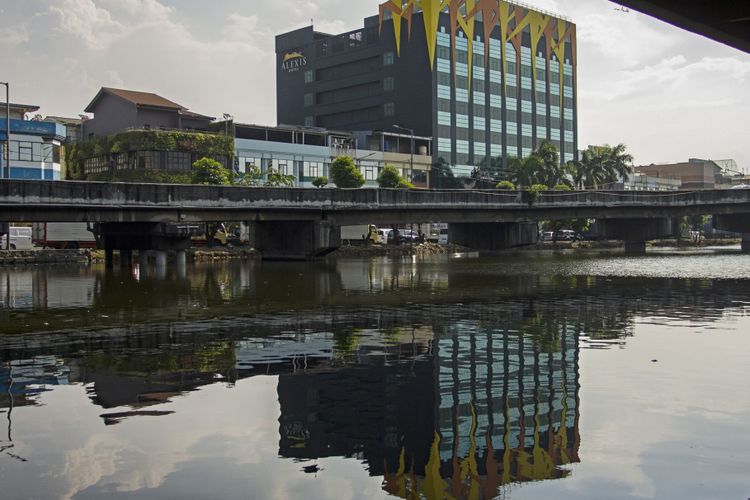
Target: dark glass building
487	80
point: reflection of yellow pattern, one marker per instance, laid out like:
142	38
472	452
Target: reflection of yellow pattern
510	19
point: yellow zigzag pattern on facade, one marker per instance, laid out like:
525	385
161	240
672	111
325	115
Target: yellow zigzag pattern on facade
510	19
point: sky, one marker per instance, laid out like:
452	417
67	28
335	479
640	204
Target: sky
665	93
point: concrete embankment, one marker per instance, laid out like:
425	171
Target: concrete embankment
396	251
18	257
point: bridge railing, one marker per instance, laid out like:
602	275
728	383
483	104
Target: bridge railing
184	196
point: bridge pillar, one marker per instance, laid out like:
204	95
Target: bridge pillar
636	247
109	256
181	263
161	264
736	223
142	260
635	232
294	239
126	258
493	235
746	242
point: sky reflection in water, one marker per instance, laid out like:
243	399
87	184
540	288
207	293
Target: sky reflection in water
561	377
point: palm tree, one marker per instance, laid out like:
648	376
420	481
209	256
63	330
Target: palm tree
620	162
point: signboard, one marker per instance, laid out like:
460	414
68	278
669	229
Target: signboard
26	127
293	61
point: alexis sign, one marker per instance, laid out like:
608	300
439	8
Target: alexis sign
293	61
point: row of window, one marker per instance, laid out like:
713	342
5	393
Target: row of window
145	160
312	169
350	93
34	151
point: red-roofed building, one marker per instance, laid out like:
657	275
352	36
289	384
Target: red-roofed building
117	110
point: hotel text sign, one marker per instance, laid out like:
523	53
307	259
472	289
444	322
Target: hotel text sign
293	61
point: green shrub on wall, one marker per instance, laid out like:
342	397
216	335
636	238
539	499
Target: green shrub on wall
147	176
147	140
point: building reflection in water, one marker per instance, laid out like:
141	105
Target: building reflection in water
440	398
476	408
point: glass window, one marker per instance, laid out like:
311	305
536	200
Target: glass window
444	105
444	78
388	58
388	83
309	101
24	151
389	109
312	168
309	76
309	121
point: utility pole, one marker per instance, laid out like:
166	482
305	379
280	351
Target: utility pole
6	155
6	158
411	160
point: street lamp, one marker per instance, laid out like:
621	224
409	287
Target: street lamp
411	161
6	158
227	117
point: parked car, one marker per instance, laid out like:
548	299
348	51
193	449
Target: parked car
405	236
567	235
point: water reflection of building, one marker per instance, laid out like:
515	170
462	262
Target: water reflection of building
482	408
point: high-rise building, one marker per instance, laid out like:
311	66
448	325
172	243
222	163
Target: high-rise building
487	80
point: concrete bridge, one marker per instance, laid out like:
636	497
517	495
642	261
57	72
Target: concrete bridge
289	221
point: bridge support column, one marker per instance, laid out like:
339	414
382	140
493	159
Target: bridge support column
181	263
636	247
294	239
635	232
142	260
493	235
161	264
736	223
109	256
126	258
746	242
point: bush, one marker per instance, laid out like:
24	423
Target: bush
507	185
320	182
561	187
208	171
536	189
404	184
345	173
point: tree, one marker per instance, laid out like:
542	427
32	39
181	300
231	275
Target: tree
252	177
442	176
320	182
276	178
601	166
506	185
345	173
390	177
208	171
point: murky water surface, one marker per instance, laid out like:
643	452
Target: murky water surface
516	377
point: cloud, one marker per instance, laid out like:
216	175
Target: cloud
13	36
93	25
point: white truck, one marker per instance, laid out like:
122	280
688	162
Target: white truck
68	235
357	235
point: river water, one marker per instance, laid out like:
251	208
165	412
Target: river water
525	376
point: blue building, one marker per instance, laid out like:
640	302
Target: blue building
34	145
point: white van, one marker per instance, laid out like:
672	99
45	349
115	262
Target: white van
20	239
